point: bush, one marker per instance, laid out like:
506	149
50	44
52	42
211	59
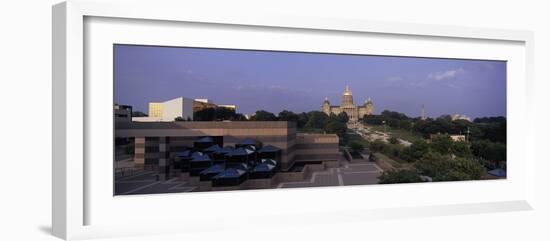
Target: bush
445	168
399	176
377	146
393	140
356	146
415	151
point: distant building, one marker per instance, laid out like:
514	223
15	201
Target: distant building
168	110
122	113
460	117
458	137
353	111
179	107
232	107
453	137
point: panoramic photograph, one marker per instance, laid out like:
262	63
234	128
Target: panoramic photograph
190	119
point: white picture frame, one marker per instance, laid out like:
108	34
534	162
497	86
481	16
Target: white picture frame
74	200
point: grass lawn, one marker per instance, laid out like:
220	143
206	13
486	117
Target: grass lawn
354	137
398	133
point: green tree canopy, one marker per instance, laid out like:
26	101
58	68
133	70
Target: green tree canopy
416	150
316	119
399	176
445	168
286	115
336	127
263	115
356	146
377	145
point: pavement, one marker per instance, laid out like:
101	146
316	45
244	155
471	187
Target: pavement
363	173
145	182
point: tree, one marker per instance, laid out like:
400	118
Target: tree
286	115
316	119
441	144
303	118
336	127
494	152
356	147
377	145
399	176
416	151
461	149
263	115
445	168
343	117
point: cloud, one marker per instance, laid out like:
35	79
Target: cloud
449	74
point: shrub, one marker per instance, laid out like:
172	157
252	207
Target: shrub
399	176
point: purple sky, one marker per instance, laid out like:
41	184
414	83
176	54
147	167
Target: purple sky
274	81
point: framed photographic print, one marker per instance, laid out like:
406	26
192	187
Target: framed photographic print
203	121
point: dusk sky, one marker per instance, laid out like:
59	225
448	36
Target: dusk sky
275	81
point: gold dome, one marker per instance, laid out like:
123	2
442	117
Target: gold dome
347	91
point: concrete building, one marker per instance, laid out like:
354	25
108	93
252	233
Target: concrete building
460	117
182	107
123	113
168	110
353	111
156	142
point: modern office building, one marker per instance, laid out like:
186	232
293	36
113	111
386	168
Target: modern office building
168	111
354	112
156	143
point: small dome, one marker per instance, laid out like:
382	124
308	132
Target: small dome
347	91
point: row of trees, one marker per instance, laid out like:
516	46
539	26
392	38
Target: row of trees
438	167
217	114
442	159
313	120
486	128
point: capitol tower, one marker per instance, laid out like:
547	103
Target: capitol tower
347	106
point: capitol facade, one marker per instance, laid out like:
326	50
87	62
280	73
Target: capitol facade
353	111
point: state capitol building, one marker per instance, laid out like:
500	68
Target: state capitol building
353	111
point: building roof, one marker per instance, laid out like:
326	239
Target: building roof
269	161
240	152
200	157
185	153
225	150
213	148
263	167
347	91
230	173
269	148
218	168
